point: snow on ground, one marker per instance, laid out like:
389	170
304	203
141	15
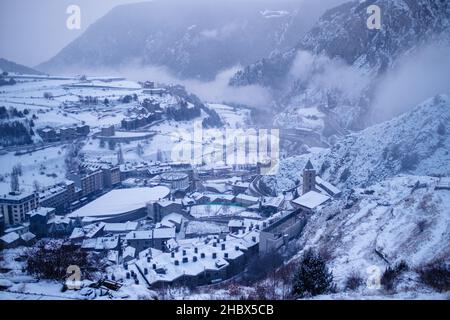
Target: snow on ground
301	118
45	166
232	117
208	211
397	221
28	93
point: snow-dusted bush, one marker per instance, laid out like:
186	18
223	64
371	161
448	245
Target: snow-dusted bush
436	275
353	281
391	274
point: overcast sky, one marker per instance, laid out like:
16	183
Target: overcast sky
32	31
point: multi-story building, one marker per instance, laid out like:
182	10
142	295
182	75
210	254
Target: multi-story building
154	238
108	131
48	135
58	197
39	219
15	205
137	122
68	133
111	176
175	180
89	183
83	130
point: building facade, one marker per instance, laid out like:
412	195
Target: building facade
15	206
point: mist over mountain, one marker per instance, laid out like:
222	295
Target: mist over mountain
192	39
9	66
339	66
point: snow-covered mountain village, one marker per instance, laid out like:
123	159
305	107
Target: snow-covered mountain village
136	187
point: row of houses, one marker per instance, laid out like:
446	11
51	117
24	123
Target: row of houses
96	177
192	262
49	134
41	222
137	122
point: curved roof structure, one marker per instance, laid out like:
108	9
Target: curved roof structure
121	201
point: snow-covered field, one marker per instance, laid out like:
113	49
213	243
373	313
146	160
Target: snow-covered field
47	166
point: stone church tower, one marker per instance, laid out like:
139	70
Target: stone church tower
309	178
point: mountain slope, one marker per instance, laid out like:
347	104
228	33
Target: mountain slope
390	222
417	142
340	52
193	39
9	66
390	209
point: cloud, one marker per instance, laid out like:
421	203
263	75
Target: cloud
321	72
414	79
227	31
217	90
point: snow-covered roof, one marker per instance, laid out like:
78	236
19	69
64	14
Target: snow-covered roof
113	256
328	186
311	200
246	197
121	201
167	202
234	223
173	217
241	184
16	196
163	233
273	201
95	229
174	176
129	252
10	237
101	243
121	227
28	236
194	256
59	220
42	211
158	233
204	228
77	233
88	231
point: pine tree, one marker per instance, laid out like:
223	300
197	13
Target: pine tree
312	277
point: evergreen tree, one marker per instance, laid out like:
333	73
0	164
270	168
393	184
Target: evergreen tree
312	277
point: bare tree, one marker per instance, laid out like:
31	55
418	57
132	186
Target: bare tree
15	187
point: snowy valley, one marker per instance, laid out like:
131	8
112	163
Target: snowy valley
332	182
